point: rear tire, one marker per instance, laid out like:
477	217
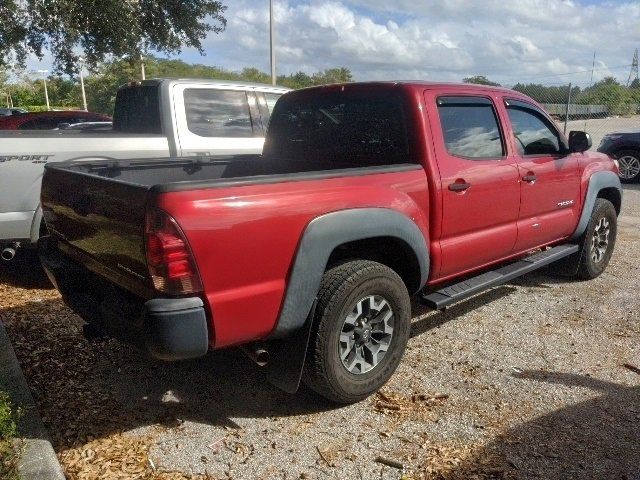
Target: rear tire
629	161
596	245
361	328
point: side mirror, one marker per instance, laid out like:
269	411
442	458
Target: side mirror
64	126
579	141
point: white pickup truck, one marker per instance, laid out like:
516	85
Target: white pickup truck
152	119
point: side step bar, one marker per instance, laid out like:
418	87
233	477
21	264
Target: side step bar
467	288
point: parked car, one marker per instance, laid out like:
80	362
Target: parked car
308	254
7	112
49	120
625	148
155	118
86	126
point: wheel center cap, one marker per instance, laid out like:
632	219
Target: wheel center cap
366	334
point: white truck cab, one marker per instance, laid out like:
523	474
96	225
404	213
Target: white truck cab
152	119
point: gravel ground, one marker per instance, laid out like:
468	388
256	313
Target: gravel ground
524	381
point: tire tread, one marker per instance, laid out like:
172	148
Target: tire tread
336	283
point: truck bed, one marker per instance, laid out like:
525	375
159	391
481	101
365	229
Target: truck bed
97	209
162	175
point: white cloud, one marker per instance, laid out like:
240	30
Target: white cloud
507	41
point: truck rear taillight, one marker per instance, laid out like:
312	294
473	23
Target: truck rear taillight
169	259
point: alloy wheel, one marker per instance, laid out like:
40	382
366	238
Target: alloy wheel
600	240
629	166
366	334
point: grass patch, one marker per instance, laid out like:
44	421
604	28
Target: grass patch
8	426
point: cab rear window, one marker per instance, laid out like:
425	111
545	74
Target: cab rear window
343	129
137	110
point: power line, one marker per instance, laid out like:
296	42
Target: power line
577	72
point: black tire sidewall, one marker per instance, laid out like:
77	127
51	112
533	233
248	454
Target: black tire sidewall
603	208
345	386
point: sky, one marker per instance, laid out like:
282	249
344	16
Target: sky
541	41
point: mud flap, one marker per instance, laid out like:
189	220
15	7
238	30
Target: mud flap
568	266
288	356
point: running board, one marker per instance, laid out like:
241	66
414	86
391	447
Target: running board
454	293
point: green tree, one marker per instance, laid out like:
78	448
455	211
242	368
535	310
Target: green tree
480	80
618	99
103	83
324	77
255	75
295	80
104	29
547	94
332	75
4	87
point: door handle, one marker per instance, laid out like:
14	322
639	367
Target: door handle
459	186
530	178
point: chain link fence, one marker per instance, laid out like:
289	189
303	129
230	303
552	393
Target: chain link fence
578	102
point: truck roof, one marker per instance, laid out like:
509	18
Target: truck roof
211	81
415	84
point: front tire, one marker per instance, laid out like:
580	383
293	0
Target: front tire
629	161
599	240
596	245
361	328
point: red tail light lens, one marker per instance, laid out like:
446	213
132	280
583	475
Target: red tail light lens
169	258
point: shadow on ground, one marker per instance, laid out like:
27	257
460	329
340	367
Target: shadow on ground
594	439
107	387
91	390
24	271
435	319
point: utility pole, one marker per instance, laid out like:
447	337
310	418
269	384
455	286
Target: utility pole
46	93
84	95
633	74
566	112
142	72
271	40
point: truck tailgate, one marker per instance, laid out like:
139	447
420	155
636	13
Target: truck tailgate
100	218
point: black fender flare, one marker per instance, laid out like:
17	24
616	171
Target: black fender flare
321	236
597	182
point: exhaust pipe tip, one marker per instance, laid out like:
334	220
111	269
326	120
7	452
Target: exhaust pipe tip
8	254
260	356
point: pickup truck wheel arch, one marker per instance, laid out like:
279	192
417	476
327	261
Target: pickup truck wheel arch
322	236
603	184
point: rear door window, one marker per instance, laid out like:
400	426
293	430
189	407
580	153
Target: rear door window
218	113
470	128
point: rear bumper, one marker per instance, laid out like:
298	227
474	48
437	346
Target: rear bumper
16	226
168	328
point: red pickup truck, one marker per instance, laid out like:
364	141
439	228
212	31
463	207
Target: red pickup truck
308	255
